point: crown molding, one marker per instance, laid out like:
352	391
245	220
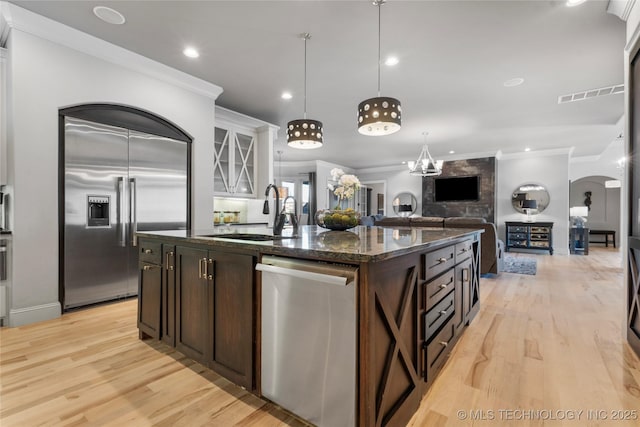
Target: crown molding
242	120
539	153
17	18
620	8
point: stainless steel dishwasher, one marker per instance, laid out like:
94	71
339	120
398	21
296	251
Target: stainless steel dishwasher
309	339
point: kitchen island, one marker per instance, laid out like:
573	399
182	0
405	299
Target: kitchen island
415	290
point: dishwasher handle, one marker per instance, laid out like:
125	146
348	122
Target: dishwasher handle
303	274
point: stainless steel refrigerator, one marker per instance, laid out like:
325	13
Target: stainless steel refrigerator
116	181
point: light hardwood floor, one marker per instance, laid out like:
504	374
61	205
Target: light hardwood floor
544	346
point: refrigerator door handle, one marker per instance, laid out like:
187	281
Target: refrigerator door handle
122	229
132	211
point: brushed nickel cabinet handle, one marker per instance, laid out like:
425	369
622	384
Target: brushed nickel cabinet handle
441	260
443	286
210	262
169	264
199	268
443	343
148	251
149	267
204	268
443	312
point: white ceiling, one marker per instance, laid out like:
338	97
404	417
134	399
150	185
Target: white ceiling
454	57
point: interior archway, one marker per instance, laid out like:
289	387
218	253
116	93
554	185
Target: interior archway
603	202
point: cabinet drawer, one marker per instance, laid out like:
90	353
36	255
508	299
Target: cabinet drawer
539	244
539	236
150	251
517	236
516	229
438	315
463	250
436	289
438	261
540	229
439	349
518	243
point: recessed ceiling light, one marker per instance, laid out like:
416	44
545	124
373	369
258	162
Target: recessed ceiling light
571	3
191	52
391	61
517	81
108	15
527	149
452	152
286	95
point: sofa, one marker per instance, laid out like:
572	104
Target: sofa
491	248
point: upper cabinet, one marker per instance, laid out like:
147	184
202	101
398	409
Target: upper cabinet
235	162
243	158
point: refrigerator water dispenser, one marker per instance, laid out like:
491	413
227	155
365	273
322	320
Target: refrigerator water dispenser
98	211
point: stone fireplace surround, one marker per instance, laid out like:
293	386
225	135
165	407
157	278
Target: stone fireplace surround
485	168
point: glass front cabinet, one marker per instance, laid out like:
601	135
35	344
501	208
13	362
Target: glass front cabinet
234	161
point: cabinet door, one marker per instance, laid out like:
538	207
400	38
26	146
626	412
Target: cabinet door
149	297
233	307
193	330
462	293
221	165
168	295
243	164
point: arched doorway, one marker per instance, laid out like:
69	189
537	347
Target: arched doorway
603	202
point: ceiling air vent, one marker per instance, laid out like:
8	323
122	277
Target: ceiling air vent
591	93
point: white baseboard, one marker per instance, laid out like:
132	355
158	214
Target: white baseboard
37	313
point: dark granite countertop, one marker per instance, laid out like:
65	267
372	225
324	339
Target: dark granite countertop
360	244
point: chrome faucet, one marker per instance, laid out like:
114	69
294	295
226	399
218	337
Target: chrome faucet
278	218
293	218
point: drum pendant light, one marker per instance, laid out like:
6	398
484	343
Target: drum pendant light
381	115
305	133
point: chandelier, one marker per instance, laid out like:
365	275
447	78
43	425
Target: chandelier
425	165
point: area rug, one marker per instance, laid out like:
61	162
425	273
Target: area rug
519	265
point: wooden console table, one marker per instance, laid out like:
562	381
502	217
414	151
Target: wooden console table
606	234
530	235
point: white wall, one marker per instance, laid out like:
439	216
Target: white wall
44	77
606	164
550	170
323	176
398	181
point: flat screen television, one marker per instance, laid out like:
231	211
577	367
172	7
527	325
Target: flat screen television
457	189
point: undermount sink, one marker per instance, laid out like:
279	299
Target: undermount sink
251	237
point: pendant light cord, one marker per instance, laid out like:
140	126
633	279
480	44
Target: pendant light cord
379	2
306	37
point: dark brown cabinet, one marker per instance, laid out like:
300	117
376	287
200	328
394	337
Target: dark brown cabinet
168	306
202	302
451	300
232	308
149	290
193	328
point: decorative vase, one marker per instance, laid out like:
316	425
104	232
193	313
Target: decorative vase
337	219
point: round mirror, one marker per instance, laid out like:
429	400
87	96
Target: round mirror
405	204
530	198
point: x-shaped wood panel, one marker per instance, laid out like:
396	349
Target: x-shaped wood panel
399	348
634	301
